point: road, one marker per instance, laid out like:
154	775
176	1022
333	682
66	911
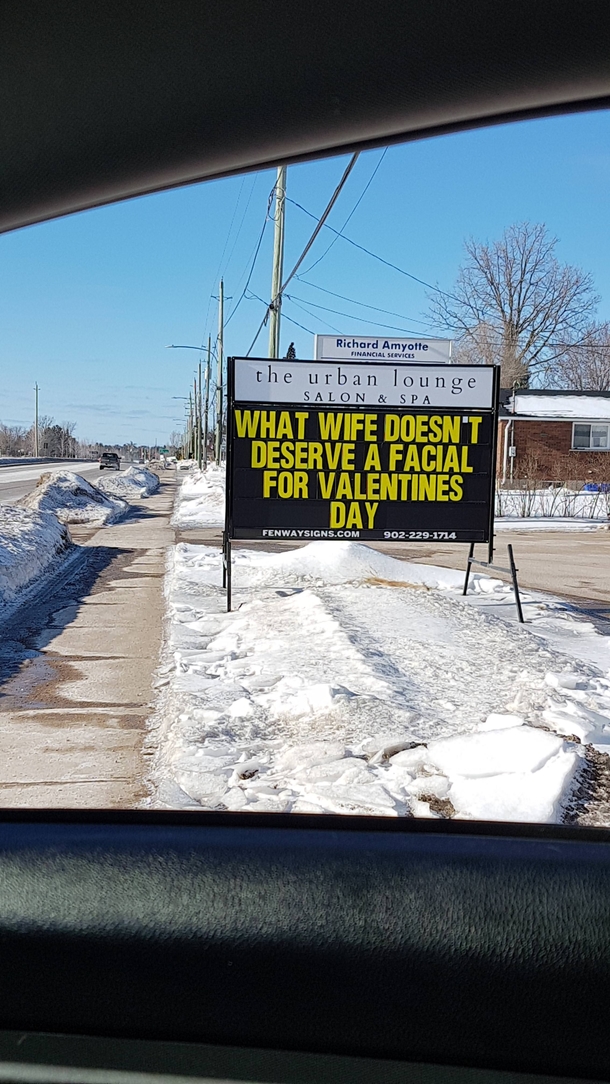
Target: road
16	481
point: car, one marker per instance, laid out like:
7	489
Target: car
110	461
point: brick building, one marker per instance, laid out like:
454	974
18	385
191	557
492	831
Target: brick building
555	436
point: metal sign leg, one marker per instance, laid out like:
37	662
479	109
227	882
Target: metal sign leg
470	556
228	573
513	572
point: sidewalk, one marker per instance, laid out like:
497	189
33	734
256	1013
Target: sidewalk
72	716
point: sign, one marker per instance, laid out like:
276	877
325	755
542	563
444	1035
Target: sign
370	451
382	348
363	384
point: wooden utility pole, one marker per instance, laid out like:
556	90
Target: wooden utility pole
219	368
278	263
208	370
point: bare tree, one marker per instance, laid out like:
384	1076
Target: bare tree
515	304
585	365
13	440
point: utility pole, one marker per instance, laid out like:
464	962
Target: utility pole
208	370
199	424
36	424
219	368
278	263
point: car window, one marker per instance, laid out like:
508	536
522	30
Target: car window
333	539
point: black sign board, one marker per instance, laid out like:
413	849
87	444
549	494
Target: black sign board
362	451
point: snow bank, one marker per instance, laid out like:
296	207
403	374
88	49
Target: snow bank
30	542
130	484
560	504
73	499
320	563
339	685
201	500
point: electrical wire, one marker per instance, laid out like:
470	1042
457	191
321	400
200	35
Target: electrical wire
321	222
349	315
257	249
350	215
299	305
363	304
362	248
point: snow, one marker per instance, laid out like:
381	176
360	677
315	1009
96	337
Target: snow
347	681
548	523
30	543
201	500
561	504
563	406
130	484
73	499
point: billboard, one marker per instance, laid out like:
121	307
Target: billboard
382	348
369	451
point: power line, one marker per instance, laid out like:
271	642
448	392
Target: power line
349	315
257	249
350	215
322	220
363	304
362	248
293	301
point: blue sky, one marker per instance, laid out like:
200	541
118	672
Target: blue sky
89	302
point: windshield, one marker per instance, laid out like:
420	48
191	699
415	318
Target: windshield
305	499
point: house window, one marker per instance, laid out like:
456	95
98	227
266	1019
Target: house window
591	437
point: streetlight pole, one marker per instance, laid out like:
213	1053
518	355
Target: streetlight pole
219	366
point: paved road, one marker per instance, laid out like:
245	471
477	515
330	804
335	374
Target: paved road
15	482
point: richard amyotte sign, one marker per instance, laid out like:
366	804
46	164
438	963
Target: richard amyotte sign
320	449
382	348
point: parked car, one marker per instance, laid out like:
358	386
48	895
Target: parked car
110	460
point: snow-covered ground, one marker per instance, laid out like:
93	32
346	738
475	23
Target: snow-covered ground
74	500
348	681
201	500
130	484
30	544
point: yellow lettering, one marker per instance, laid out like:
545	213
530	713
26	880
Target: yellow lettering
246	422
412	458
344	487
456	487
427	487
273	452
300	454
285	484
330	426
372	485
396	452
332	455
371	509
354	516
474	430
372	461
300	484
259	453
347	427
451	430
358	494
451	458
357	426
370	427
267	423
269	482
436	428
301	417
391	429
287	450
404	484
326	484
427	452
421	429
465	468
442	482
407	428
314	456
337	514
284	425
389	487
347	456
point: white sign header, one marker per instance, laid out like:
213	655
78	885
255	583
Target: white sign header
361	384
382	348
